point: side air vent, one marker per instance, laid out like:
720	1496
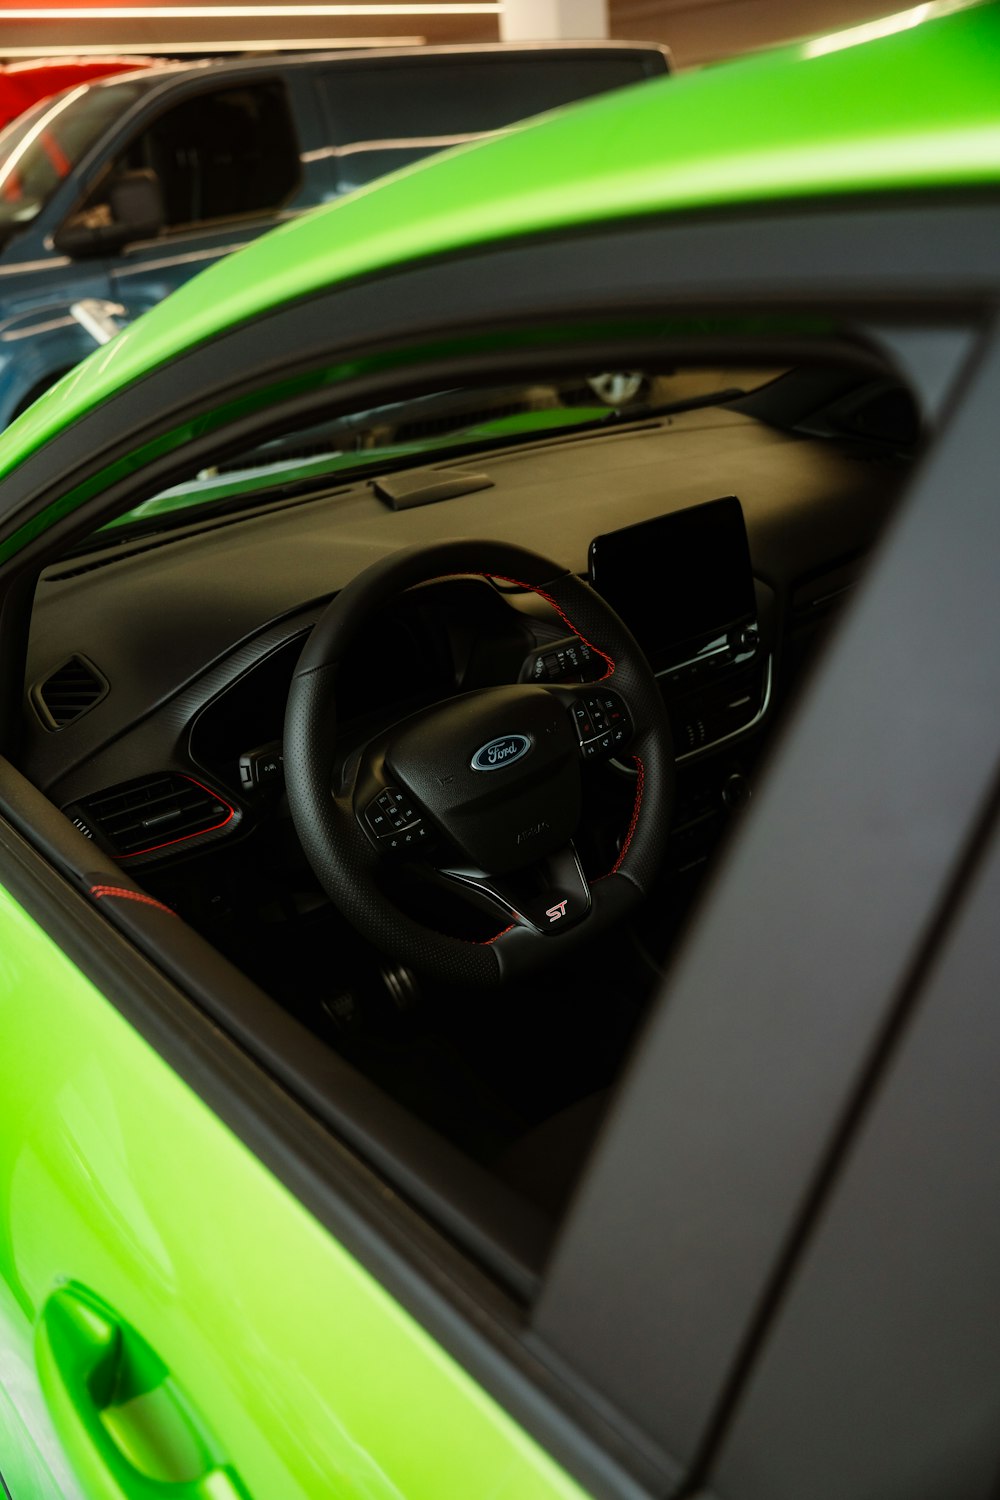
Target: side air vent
153	812
68	692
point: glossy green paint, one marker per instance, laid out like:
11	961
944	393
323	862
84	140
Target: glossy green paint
118	1409
271	1342
917	107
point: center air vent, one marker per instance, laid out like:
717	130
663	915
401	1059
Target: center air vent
68	692
153	812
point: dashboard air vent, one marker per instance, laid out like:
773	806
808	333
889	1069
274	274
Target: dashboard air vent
68	692
154	812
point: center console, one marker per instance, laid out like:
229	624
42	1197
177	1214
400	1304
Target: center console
684	585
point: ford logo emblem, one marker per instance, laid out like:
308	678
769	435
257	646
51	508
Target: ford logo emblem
496	754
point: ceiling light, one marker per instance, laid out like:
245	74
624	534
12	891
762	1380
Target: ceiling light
225	12
232	44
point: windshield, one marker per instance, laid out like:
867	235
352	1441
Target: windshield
40	149
409	434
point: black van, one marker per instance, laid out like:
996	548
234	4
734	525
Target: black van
113	193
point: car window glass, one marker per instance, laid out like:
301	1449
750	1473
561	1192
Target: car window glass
40	149
457	95
216	156
463	419
383	115
545	463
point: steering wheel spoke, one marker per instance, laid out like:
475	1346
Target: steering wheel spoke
547	897
393	821
600	716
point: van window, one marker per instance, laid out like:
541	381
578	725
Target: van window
44	146
386	114
216	155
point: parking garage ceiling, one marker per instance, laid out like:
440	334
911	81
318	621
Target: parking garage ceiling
697	31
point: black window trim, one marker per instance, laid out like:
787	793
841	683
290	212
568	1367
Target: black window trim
848	871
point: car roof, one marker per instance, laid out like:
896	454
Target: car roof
907	103
167	74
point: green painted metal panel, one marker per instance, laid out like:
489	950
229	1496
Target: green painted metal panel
294	1373
909	103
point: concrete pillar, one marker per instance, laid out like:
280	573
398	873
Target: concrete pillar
550	20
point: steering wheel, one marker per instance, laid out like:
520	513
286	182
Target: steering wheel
484	787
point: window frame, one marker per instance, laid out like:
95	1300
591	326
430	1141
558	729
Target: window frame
870	269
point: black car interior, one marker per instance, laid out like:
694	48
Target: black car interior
449	813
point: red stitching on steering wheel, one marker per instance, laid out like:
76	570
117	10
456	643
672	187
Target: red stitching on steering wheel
487	942
640	783
534	589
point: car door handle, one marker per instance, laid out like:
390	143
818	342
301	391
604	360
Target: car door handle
126	1425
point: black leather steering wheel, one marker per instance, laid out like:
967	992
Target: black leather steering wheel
486	786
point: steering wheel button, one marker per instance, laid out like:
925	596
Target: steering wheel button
582	719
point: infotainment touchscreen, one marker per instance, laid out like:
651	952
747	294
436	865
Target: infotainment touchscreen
679	579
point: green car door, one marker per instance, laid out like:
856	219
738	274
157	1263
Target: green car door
174	1322
206	1291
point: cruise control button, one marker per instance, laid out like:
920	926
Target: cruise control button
401	839
596	703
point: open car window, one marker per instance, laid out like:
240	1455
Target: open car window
424	429
726	538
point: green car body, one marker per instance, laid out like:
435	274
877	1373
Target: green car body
156	1274
912	110
320	1381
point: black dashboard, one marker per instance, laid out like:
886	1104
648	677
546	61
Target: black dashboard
181	646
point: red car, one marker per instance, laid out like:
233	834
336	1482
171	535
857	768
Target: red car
23	84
